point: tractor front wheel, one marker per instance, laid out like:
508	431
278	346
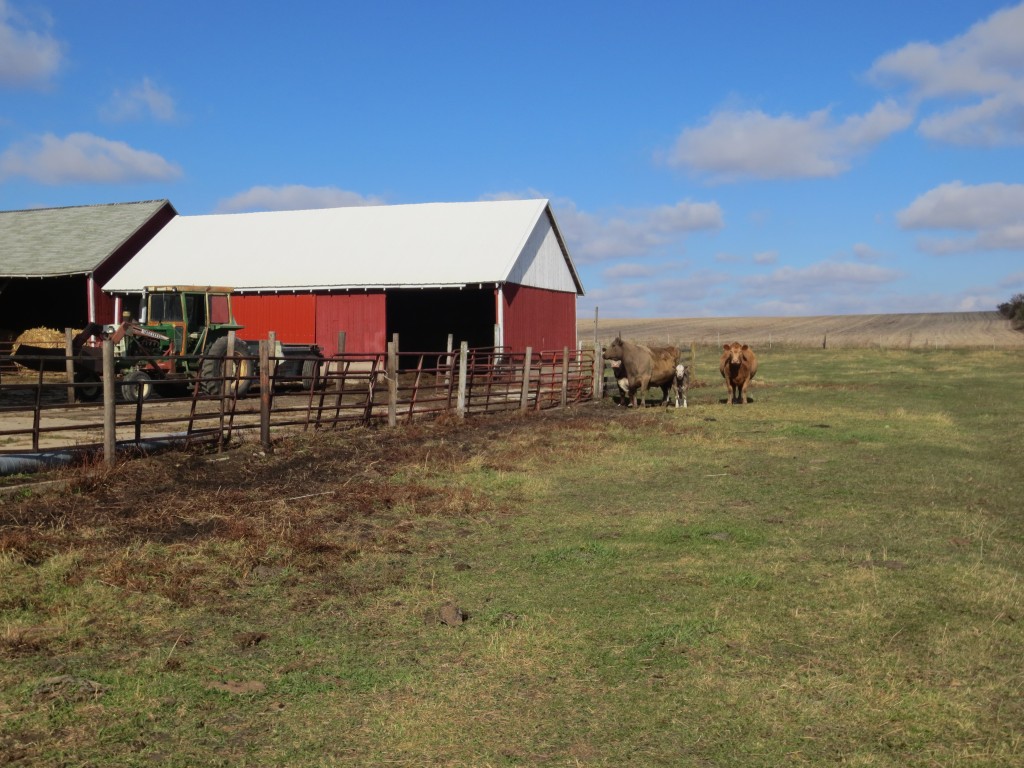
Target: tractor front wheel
236	375
136	385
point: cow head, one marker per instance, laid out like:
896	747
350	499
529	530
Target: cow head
734	352
614	350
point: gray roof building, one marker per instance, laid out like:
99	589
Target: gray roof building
54	261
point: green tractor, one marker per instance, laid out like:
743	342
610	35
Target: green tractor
182	335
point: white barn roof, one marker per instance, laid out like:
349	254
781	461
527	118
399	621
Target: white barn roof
397	246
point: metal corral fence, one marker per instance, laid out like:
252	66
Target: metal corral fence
44	411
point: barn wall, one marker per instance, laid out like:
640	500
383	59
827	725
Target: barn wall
292	317
538	318
104	303
360	315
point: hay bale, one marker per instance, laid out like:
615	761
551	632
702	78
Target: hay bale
40	337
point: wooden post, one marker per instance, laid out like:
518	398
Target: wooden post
449	360
228	369
339	383
69	364
598	373
392	375
524	396
265	391
596	345
463	357
565	376
109	408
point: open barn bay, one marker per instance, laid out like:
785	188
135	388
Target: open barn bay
830	574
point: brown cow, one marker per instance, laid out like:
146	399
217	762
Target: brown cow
638	367
738	366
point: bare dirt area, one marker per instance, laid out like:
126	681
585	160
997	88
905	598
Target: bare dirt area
937	330
337	478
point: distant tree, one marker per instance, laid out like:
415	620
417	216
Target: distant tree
1014	310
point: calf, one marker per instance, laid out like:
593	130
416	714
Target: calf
681	383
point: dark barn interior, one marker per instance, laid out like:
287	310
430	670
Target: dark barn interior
423	318
52	302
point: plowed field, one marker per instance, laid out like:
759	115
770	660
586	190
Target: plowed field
923	330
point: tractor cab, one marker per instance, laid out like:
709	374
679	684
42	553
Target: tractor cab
191	317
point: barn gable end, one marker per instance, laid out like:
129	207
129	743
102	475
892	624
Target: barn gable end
543	261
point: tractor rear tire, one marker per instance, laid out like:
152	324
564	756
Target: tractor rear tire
215	375
88	387
136	385
311	378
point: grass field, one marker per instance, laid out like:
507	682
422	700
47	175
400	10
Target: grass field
830	574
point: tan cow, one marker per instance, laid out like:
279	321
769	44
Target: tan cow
738	366
638	367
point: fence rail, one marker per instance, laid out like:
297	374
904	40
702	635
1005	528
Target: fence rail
46	410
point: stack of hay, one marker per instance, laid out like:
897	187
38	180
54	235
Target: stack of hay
39	337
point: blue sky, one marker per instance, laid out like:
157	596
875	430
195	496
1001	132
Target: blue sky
702	159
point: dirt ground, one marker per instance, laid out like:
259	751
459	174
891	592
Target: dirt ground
902	331
309	470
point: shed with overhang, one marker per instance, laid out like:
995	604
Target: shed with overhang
54	261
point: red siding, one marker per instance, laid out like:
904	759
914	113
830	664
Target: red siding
292	317
361	315
103	306
538	318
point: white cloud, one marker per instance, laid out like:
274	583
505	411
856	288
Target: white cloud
142	100
27	56
632	232
766	257
293	197
83	158
628	271
993	213
733	145
985	65
865	252
825	276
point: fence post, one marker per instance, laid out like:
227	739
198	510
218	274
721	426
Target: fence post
69	364
392	375
565	376
265	395
524	396
339	383
449	359
461	402
598	373
109	408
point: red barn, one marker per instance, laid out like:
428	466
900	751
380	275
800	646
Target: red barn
54	261
493	273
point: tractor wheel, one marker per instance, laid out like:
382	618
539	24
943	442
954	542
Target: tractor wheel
136	385
311	378
237	376
88	387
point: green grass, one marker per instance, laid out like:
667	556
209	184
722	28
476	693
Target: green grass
828	575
